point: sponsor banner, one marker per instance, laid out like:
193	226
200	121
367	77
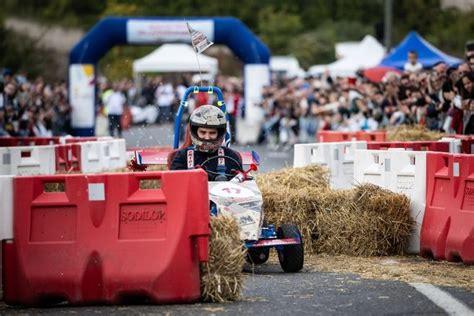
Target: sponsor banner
82	95
151	32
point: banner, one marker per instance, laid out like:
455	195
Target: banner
82	95
152	32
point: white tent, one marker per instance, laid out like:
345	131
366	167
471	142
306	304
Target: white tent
344	49
367	54
287	65
175	58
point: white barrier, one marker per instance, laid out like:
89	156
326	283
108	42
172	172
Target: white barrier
6	216
91	161
337	157
6	207
29	160
311	154
5	161
369	167
399	171
113	154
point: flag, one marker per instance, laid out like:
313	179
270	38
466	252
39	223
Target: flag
199	40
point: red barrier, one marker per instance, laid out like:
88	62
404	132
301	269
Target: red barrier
42	141
159	155
413	145
153	155
247	158
335	136
8	141
448	225
379	136
68	158
28	141
105	240
71	140
467	143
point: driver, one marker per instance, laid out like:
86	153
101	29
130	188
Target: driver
207	126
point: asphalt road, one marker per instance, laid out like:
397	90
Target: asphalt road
269	291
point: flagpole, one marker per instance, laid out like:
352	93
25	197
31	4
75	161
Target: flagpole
199	67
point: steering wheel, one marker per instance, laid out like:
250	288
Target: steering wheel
233	160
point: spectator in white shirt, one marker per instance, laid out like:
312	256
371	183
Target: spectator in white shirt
115	104
165	97
413	65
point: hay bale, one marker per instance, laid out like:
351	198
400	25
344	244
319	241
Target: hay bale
285	205
389	218
148	169
289	197
221	276
296	178
336	219
362	221
412	133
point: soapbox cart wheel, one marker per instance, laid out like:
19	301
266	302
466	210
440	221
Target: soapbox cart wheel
291	257
257	255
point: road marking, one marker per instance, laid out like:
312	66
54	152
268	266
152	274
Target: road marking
442	299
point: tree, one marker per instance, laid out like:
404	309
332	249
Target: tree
276	28
317	46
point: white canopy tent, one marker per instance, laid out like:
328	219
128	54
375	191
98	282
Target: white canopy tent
344	49
367	54
175	58
287	65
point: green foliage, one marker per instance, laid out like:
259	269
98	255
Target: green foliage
276	28
118	62
307	29
27	56
452	30
118	8
317	47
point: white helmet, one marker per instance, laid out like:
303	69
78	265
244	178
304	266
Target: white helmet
208	116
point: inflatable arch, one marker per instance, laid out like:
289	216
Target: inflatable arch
113	31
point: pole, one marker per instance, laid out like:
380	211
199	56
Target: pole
388	25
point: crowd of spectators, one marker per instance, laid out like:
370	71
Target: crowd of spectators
33	108
36	108
159	99
440	98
